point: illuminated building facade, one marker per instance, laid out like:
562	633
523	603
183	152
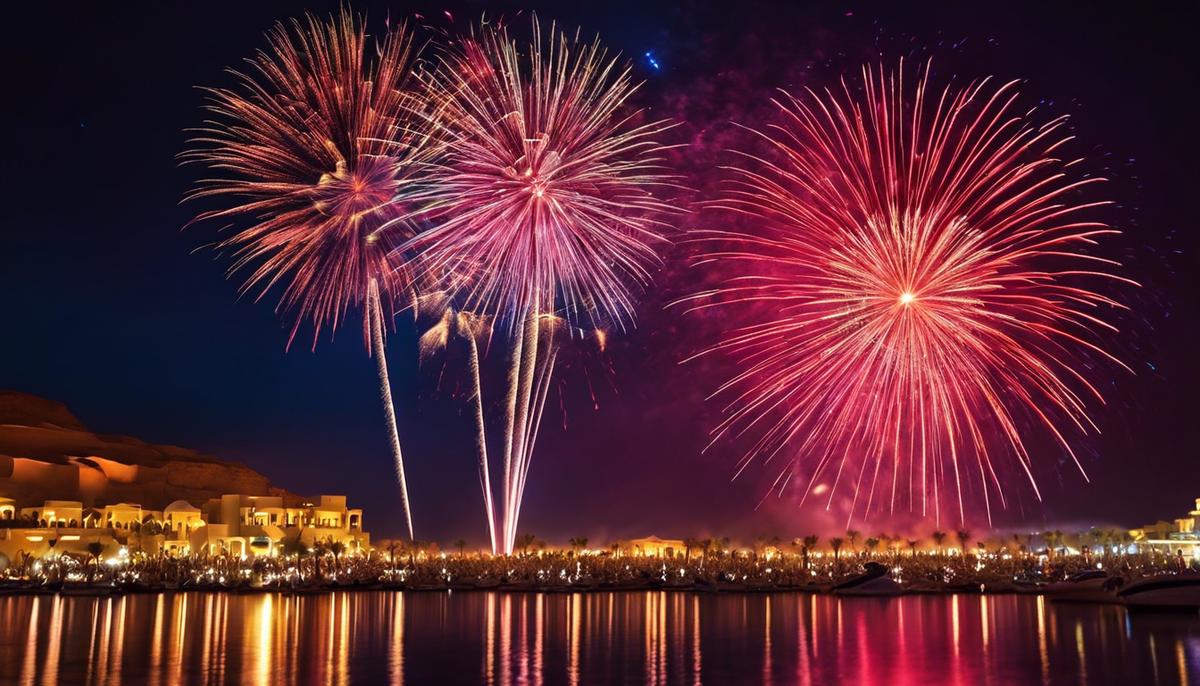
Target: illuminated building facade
653	546
1180	537
232	524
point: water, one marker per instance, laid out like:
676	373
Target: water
603	638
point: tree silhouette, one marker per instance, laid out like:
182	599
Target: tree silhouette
871	544
524	542
94	550
964	537
939	538
577	544
806	545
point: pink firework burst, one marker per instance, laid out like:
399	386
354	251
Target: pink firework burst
309	152
541	201
310	149
541	210
921	293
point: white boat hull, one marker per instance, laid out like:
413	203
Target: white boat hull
1163	592
1098	590
875	587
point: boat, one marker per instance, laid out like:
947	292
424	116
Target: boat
875	581
93	590
1162	592
1093	586
717	585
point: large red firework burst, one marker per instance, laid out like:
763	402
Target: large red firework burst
922	293
309	150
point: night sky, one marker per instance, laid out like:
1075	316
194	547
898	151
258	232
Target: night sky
112	308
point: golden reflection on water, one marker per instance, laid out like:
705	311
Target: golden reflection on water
653	637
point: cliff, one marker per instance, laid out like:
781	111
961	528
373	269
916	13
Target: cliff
47	453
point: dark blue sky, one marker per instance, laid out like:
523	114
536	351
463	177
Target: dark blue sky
111	308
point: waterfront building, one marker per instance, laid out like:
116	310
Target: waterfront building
1180	537
232	524
244	524
653	546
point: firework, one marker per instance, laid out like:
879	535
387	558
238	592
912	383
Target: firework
309	150
921	293
540	206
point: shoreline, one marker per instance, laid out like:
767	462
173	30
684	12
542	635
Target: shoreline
97	590
84	591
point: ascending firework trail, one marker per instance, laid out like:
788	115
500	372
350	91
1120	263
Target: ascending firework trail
310	149
541	213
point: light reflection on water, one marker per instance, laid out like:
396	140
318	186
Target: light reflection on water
603	638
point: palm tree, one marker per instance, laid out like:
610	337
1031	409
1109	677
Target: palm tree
836	544
338	549
871	544
852	536
912	547
964	537
94	550
461	545
760	545
524	542
808	543
577	544
294	546
412	547
1053	540
939	538
688	545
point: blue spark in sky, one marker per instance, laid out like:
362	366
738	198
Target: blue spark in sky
652	62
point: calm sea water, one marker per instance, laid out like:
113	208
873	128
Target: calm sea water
603	638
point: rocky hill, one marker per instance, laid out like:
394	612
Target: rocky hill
47	453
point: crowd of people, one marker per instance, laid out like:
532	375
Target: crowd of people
578	569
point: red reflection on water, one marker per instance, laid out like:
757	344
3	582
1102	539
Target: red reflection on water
651	637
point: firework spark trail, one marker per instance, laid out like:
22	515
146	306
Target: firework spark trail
375	317
516	458
510	425
436	339
925	267
310	149
485	479
540	204
545	373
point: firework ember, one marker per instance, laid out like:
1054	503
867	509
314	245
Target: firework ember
310	149
922	293
541	208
